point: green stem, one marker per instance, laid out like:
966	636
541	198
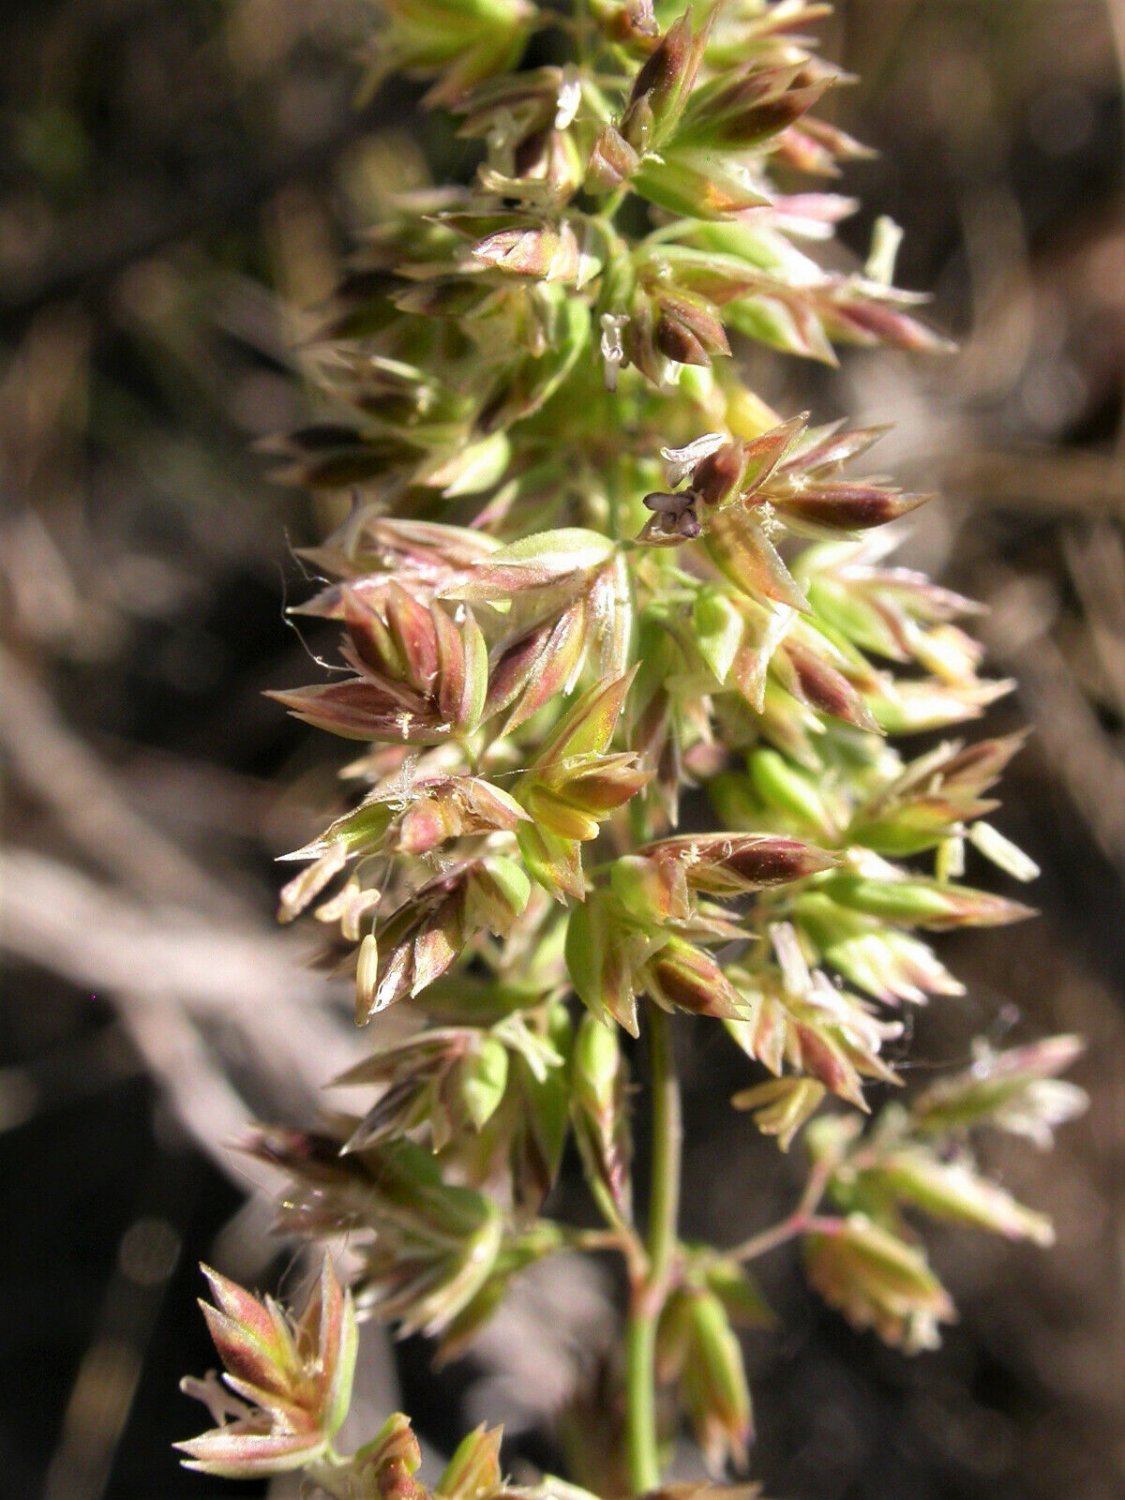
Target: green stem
613	203
581	30
623	1232
650	1292
640	1398
667	1142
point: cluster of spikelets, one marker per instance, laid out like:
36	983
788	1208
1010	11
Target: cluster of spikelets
590	586
294	1377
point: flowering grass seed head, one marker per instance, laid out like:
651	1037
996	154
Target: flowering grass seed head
586	571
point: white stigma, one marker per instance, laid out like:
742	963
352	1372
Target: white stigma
681	461
612	349
569	98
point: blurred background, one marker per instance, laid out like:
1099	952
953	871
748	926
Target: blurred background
177	174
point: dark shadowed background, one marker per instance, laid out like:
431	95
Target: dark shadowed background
175	175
